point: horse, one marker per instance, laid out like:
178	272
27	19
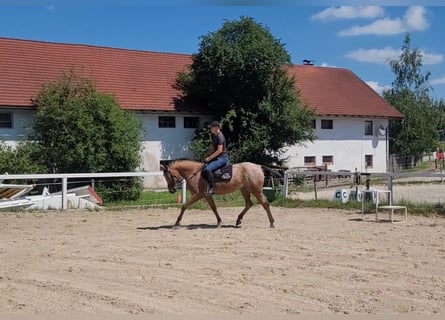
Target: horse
247	177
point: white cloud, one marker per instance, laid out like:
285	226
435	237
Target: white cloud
376	87
438	81
413	20
383	55
325	64
347	12
431	58
374	55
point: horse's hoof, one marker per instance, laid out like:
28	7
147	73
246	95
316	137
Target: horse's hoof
272	226
176	226
238	223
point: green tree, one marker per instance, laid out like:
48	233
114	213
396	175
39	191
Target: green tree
410	94
439	104
79	129
20	159
239	77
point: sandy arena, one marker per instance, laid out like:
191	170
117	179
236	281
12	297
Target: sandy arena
314	261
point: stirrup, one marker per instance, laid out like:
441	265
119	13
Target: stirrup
210	191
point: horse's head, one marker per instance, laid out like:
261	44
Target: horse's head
172	177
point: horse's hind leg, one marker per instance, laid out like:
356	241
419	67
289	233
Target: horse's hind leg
262	199
212	205
248	205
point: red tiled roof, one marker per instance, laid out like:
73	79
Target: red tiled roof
144	80
339	92
139	79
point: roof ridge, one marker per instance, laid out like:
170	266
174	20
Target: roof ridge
94	46
319	67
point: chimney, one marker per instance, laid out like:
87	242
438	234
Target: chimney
307	62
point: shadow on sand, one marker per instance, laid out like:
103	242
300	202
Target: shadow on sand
190	227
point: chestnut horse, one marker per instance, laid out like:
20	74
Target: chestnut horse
246	176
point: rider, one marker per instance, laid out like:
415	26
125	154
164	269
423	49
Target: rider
219	158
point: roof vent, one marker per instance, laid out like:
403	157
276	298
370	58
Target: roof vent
307	62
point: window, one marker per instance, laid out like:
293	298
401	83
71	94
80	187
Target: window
309	161
314	124
5	120
328	159
368	128
191	122
167	122
368	161
327	124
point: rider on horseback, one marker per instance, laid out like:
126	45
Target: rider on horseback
218	159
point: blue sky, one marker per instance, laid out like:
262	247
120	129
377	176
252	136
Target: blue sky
359	37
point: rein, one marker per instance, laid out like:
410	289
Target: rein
188	178
193	174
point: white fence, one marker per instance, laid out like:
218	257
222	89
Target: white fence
390	176
65	176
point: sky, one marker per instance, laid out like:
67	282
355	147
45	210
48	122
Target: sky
350	35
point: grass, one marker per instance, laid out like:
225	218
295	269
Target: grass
423	166
151	199
424	208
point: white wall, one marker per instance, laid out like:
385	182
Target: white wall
164	144
347	143
159	143
174	141
21	119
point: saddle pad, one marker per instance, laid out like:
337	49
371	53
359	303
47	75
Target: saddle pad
223	174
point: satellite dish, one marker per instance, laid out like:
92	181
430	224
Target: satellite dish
382	130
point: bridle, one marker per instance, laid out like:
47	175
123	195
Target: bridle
174	182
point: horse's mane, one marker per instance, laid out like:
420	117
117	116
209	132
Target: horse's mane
183	161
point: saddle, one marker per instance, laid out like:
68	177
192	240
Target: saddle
223	174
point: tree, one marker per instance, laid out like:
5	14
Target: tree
79	129
239	76
21	159
410	94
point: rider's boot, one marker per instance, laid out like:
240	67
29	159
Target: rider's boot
211	186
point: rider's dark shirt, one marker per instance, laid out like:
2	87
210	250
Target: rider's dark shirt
219	139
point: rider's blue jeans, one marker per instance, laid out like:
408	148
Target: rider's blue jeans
218	163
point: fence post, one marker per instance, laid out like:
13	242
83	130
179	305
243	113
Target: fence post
314	178
390	188
64	193
326	176
441	175
184	191
286	184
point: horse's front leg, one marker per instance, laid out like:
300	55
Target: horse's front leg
212	205
192	200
